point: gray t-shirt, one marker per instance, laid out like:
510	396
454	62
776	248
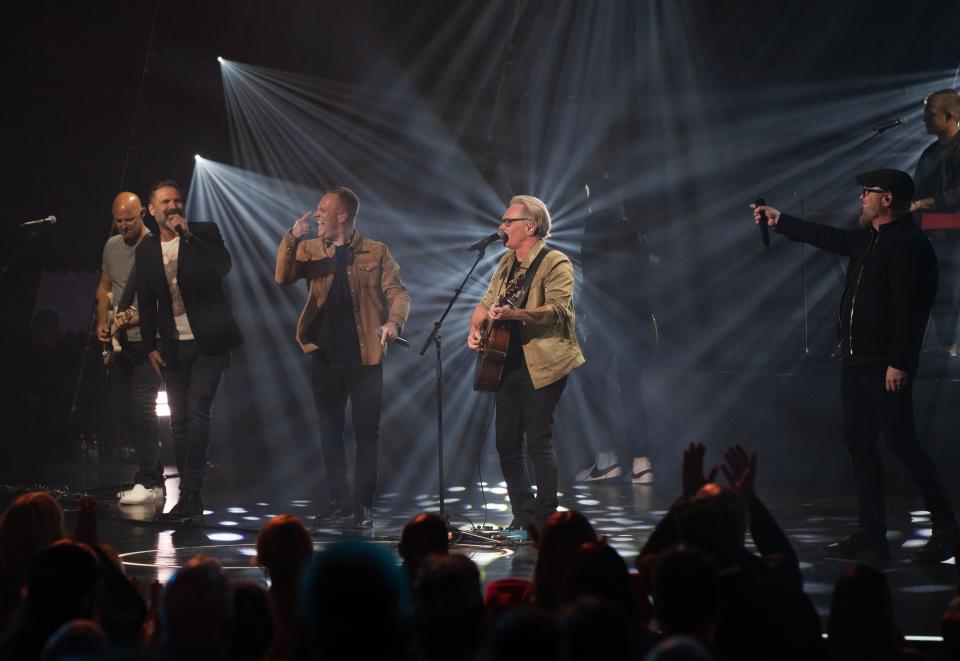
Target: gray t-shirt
118	260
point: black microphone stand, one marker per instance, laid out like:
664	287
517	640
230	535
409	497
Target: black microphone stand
23	245
436	337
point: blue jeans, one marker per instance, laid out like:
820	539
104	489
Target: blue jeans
335	382
192	378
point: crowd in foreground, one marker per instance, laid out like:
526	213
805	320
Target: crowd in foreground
698	593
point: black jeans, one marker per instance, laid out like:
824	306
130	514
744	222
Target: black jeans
521	409
868	410
135	387
334	383
192	378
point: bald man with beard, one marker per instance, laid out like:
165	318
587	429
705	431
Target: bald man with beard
133	380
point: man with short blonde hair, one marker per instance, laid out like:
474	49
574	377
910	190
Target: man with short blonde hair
356	306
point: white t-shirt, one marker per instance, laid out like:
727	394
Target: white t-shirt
171	255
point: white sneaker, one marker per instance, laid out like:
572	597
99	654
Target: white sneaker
141	495
605	467
642	471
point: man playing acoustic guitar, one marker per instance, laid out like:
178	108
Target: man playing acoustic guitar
543	350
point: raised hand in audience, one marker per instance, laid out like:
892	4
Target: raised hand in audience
693	477
85	531
740	469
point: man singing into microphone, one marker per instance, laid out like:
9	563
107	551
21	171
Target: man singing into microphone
543	350
890	285
356	305
187	328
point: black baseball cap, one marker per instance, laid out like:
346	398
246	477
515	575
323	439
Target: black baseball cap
894	181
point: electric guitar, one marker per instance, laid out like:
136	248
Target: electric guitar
495	342
112	349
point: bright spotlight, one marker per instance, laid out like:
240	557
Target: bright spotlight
220	60
197	157
163	407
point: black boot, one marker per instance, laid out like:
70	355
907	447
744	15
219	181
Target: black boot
336	509
188	508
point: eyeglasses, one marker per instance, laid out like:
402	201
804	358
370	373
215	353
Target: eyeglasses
867	191
508	221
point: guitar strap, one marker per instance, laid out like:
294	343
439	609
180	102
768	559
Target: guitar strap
126	299
130	290
528	276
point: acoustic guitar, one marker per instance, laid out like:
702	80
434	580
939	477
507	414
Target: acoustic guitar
495	342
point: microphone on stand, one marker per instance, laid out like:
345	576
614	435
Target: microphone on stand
886	126
483	243
49	220
764	228
399	341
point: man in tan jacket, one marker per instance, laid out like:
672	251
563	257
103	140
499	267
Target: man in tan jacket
543	351
356	305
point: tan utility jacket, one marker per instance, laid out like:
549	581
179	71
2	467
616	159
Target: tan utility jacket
377	291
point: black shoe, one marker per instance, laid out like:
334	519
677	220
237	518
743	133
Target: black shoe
939	547
363	517
189	507
861	546
337	509
516	524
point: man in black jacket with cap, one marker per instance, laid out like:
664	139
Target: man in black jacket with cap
890	285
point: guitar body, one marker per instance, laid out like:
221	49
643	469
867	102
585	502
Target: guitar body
496	342
492	356
111	350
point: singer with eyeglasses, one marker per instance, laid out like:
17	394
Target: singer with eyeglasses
543	350
890	286
188	330
938	190
356	306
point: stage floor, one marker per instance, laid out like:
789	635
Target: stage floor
625	513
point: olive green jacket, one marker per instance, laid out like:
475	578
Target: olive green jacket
551	352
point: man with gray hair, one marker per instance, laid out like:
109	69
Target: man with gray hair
543	350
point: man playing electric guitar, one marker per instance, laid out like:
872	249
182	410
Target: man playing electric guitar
542	351
134	382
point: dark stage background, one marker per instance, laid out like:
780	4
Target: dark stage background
437	112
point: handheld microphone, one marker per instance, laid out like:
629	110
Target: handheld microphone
182	232
399	341
483	243
49	220
886	126
764	228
